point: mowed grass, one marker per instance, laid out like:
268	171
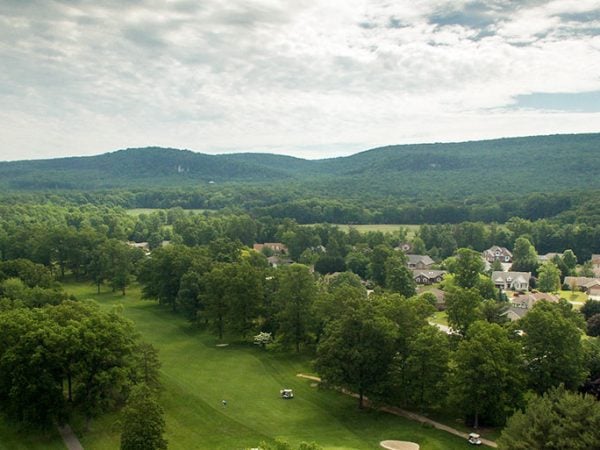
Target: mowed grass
14	438
384	228
197	375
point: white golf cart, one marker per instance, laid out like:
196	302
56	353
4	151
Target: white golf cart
286	393
474	439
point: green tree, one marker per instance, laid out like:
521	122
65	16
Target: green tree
398	278
549	278
427	367
469	265
570	260
487	380
552	347
525	258
295	297
555	421
356	351
593	325
379	255
143	423
462	307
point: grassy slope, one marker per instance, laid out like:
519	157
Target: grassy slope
197	376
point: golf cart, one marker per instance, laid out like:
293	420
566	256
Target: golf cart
474	439
286	393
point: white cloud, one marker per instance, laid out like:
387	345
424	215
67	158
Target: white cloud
86	77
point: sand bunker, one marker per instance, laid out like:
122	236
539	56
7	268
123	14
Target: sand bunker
399	445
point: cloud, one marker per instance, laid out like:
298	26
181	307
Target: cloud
86	77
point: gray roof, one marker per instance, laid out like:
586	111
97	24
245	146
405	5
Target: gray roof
504	277
428	273
423	259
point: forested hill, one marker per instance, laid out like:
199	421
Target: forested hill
501	166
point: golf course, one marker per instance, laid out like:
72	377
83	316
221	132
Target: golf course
199	372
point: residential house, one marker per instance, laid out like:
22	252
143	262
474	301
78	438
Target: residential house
276	247
520	304
547	257
580	283
419	261
440	301
405	247
428	277
596	264
145	246
496	253
593	290
277	261
515	281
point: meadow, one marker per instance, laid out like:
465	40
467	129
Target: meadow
197	375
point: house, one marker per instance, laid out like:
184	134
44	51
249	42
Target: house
529	299
515	313
277	261
428	277
579	283
515	281
547	257
419	261
593	290
522	303
145	246
275	247
495	253
405	247
596	264
440	300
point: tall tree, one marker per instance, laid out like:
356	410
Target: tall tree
398	278
356	351
487	380
525	258
426	367
557	420
295	296
143	422
549	278
469	264
462	307
552	346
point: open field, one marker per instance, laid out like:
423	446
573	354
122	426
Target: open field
384	228
197	375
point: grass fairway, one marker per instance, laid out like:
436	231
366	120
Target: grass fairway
197	376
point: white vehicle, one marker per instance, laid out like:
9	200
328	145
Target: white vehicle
474	439
286	393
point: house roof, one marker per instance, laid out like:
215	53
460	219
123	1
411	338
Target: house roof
423	259
579	281
547	256
497	249
428	273
439	294
509	277
516	312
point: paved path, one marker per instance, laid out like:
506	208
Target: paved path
71	441
413	416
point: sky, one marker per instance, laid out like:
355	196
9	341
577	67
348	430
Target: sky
309	78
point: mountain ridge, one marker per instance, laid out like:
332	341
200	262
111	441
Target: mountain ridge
523	164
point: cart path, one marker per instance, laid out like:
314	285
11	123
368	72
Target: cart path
410	415
69	438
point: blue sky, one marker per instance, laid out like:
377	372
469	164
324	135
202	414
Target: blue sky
310	78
